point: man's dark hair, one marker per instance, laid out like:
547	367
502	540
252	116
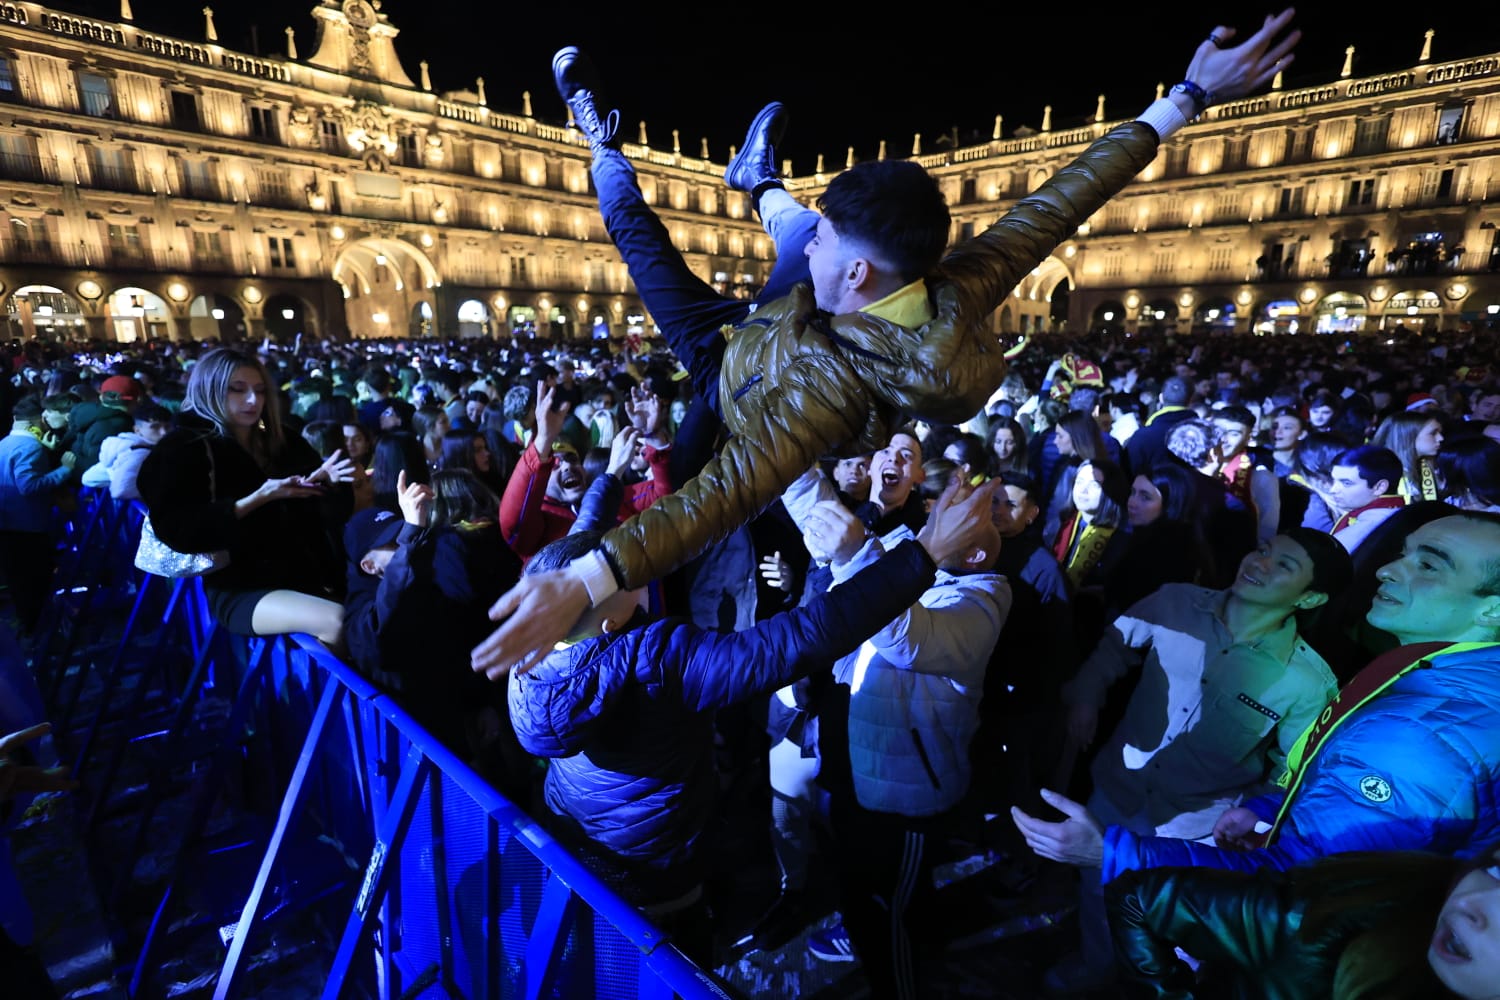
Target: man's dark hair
557	554
1332	567
1235	413
1083	400
1316	453
1374	464
377	378
1176	391
152	413
1021	481
896	208
519	400
447	378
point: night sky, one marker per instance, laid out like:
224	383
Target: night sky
706	68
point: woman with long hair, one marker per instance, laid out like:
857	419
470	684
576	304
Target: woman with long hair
1165	538
229	478
397	452
430	424
470	449
1416	436
1370	925
1469	470
1078	438
1007	443
1087	535
359	443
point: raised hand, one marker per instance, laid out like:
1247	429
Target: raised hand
644	410
622	450
961	520
1077	840
1227	72
335	469
777	572
832	533
414	499
549	422
535	615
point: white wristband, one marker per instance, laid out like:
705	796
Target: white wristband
1164	116
593	571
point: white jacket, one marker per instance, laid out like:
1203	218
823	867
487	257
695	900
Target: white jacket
915	686
120	458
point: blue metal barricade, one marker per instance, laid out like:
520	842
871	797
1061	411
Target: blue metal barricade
421	878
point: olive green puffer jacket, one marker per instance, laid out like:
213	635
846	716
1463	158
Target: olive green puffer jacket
798	384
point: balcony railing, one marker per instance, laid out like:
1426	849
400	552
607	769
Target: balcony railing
34	251
201	188
112	178
28	167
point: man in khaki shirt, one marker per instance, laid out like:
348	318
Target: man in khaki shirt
1226	688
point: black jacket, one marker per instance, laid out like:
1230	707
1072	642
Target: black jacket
282	544
411	630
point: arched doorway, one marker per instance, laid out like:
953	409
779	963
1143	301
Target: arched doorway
1341	312
286	317
134	314
384	279
1418	311
1215	315
44	311
1159	316
1060	298
1108	317
216	317
523	321
473	318
421	321
1279	316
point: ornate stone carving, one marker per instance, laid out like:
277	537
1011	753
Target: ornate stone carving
300	127
370	128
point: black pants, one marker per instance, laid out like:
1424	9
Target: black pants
885	863
27	559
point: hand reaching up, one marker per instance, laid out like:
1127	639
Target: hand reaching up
961	521
549	421
1227	72
622	450
534	615
415	500
644	410
336	469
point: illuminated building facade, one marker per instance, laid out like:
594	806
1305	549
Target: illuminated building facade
162	187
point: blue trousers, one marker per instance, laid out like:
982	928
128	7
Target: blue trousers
686	308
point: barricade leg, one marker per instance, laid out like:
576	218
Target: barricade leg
225	988
391	833
203	804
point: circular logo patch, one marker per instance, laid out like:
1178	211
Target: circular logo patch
1375	788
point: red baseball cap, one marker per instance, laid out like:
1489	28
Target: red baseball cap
124	386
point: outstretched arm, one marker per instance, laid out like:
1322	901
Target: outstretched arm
830	406
983	270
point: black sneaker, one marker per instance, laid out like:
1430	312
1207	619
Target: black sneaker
578	86
755	163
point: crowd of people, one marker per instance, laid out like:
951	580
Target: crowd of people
1213	619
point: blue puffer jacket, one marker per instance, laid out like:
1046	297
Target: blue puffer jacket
1418	768
628	717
